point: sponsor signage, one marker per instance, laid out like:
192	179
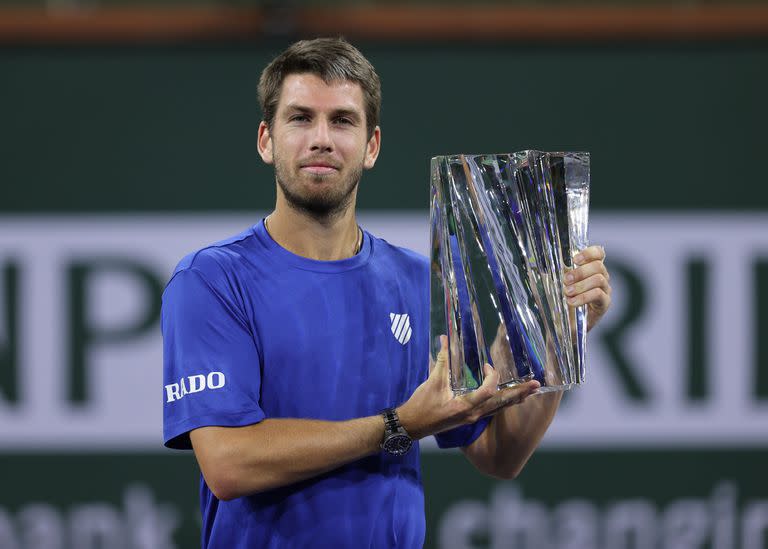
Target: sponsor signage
563	500
607	500
194	384
679	361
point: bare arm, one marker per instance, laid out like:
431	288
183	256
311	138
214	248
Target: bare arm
515	432
237	461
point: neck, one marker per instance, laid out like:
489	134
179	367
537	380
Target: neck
325	239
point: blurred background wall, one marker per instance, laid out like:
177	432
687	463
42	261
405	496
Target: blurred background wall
128	138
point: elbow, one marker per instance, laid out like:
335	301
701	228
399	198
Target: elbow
228	482
499	471
221	467
506	466
219	471
230	469
225	475
504	470
222	485
506	473
222	494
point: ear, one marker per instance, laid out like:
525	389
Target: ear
264	143
372	149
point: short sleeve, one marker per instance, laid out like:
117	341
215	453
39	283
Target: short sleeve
461	436
211	365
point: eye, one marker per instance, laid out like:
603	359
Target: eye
298	118
345	121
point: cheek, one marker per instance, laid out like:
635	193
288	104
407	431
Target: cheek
353	150
286	147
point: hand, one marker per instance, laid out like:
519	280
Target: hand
433	408
588	284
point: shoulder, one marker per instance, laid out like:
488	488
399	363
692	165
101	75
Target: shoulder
399	257
219	259
212	274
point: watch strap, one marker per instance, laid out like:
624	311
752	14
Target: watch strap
391	421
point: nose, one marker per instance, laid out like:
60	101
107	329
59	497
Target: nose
321	137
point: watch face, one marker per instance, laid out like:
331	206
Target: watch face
397	444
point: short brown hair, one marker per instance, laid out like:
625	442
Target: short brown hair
332	59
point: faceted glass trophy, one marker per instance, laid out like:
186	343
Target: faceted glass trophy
504	231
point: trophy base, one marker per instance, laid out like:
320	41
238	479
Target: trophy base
540	390
459	392
515	382
543	389
553	388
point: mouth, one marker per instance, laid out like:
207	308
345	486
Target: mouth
319	167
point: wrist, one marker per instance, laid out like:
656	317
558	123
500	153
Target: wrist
410	422
396	441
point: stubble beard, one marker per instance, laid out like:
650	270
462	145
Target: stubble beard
319	205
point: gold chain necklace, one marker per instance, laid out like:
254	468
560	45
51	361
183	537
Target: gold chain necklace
358	242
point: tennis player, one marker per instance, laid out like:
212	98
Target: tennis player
281	369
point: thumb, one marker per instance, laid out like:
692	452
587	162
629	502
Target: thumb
440	365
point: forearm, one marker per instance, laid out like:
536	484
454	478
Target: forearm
277	452
512	435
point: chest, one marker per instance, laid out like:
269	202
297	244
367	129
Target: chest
337	346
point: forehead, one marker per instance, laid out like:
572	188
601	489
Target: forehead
310	91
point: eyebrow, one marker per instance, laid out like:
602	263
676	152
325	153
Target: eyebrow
350	113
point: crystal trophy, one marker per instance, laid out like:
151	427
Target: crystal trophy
504	231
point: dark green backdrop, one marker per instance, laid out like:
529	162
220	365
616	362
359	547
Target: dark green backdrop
669	126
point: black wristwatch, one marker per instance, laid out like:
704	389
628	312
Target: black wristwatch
396	441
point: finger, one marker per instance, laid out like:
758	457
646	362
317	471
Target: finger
592	253
490	376
486	391
511	396
587	270
441	361
594	281
501	352
597	298
518	393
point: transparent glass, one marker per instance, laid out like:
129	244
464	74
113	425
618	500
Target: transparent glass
504	231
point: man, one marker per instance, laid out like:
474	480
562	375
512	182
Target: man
278	354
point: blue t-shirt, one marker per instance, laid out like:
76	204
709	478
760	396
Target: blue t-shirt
252	331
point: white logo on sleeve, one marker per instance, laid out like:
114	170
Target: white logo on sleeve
194	384
401	327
